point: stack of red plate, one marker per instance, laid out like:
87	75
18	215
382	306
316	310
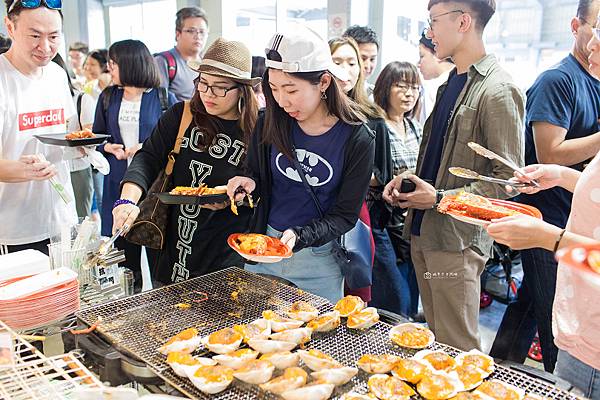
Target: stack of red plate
37	300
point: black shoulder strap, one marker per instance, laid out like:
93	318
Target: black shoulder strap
163	96
79	97
305	182
106	99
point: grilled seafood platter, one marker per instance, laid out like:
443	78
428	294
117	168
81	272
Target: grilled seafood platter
302	311
181	362
349	305
313	391
437	360
470	375
389	387
282	359
317	360
223	341
236	359
211	379
292	378
258	247
271	346
255	372
412	336
377	364
439	386
410	370
279	323
258	329
499	390
469	207
83	134
336	376
298	335
201	190
185	341
478	359
326	322
363	319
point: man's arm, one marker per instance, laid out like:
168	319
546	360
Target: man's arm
552	148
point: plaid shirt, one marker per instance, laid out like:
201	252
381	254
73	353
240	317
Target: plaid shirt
405	151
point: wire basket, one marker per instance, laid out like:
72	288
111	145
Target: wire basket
74	259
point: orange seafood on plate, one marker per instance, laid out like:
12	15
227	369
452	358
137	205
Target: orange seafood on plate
412	336
258	247
438	360
583	259
326	322
469	375
439	386
389	387
377	364
363	319
182	362
499	390
211	379
185	341
479	210
83	134
201	190
410	370
292	378
349	305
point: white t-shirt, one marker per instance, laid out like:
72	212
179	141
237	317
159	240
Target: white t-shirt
33	211
129	123
88	110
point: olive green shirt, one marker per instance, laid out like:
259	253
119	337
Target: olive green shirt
488	111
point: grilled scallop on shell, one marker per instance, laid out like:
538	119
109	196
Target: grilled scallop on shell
326	322
312	391
477	358
298	335
185	341
317	360
258	329
499	390
270	346
377	364
363	319
389	387
438	360
303	311
336	376
181	362
292	378
255	372
439	386
410	370
223	341
349	305
236	359
282	359
279	323
211	379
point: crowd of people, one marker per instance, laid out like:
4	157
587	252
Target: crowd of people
303	131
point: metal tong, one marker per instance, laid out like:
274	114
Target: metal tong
468	174
482	151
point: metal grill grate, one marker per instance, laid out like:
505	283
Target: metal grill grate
142	323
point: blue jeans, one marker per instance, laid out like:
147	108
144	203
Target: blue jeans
533	307
394	284
579	374
312	269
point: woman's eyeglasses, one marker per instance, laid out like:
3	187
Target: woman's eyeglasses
216	90
30	4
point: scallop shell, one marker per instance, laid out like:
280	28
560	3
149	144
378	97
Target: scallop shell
469	375
377	364
282	359
223	341
279	323
317	360
410	370
357	396
219	377
270	346
312	391
292	378
181	362
258	329
303	311
185	341
363	319
389	387
479	359
336	376
326	322
236	359
349	305
495	386
412	336
439	386
255	372
438	360
298	335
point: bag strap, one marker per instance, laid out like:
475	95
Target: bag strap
163	97
186	120
79	97
305	182
171	64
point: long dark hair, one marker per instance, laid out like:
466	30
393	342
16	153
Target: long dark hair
136	65
278	123
209	124
393	73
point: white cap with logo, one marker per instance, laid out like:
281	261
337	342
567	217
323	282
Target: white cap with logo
302	50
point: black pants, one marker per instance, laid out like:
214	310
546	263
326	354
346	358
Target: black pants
41	246
133	258
533	308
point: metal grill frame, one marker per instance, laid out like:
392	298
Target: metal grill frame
139	324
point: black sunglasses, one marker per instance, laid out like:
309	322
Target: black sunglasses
51	4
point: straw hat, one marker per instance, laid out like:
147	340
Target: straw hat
229	59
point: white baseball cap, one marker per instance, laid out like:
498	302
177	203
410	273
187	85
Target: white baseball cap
302	50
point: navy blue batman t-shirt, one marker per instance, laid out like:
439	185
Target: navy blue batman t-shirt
322	158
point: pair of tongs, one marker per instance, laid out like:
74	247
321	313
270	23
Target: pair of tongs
468	174
482	151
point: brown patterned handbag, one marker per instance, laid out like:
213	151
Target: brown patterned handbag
150	227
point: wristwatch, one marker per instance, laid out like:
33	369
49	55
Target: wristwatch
439	195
